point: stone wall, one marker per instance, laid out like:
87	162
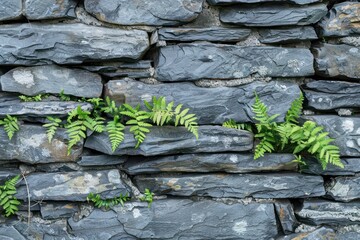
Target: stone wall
211	56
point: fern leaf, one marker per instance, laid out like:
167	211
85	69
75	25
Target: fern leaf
10	125
51	127
294	112
8	201
116	133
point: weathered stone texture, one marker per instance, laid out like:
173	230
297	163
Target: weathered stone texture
148	12
287	35
320	233
10	9
226	2
286	216
58	210
351	167
10	233
49	9
101	160
186	62
344	188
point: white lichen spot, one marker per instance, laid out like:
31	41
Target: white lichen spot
263	71
114	176
197	218
295	65
234	158
227	142
136	213
240	227
238	74
24	77
353	50
45	152
350	144
214	139
236	139
348	125
320	100
146	97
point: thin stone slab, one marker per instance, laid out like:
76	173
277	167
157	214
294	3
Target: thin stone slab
73	43
101	160
286	216
72	186
49	9
158	13
340	61
320	233
344	189
342	20
287	35
270	14
230	103
287	185
10	9
58	210
218	162
52	79
228	2
174	140
188	62
351	167
10	233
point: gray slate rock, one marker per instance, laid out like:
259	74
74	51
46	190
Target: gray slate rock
101	160
221	162
351	167
286	216
231	102
38	44
317	212
174	140
158	13
10	233
72	186
217	34
341	61
344	189
342	20
272	14
287	185
287	35
58	210
320	233
31	145
52	79
187	62
226	2
10	9
49	9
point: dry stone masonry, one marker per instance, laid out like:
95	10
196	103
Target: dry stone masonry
212	56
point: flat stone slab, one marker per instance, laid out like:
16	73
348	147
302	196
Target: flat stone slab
38	44
101	160
52	79
187	62
287	185
218	162
273	14
351	167
10	9
285	213
231	102
342	20
228	2
340	61
158	13
72	186
49	9
287	35
344	189
320	233
174	140
58	210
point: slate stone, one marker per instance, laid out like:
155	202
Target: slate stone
216	34
174	140
73	43
345	131
187	62
273	14
343	189
317	212
58	210
72	186
342	20
287	185
226	2
158	13
320	233
230	103
52	79
101	160
286	216
351	167
10	9
340	61
287	35
49	9
351	232
218	162
328	95
31	145
10	233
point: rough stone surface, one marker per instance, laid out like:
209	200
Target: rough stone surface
344	189
58	210
35	43
265	15
10	233
10	9
287	35
174	140
52	79
72	186
170	12
285	214
288	185
225	162
342	20
217	34
230	103
49	9
196	61
101	160
225	2
320	233
341	61
351	167
31	145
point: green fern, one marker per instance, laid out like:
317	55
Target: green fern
188	120
52	126
107	203
65	97
293	114
8	202
115	131
148	197
11	125
36	98
239	126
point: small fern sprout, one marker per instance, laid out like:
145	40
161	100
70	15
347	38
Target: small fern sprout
52	126
239	126
11	125
109	202
148	197
8	201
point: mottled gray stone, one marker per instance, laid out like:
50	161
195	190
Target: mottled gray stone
287	185
58	167
344	189
31	145
265	15
10	233
173	140
317	212
225	2
342	20
287	35
10	9
221	162
101	160
52	79
58	210
72	186
35	44
320	233
148	12
351	167
286	216
328	95
49	9
217	34
340	61
230	103
351	232
196	61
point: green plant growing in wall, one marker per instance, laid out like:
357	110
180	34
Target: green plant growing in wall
148	197
36	98
10	124
52	126
8	201
108	202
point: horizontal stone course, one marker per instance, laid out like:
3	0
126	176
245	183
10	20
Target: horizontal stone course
49	9
287	35
351	167
10	9
228	2
344	189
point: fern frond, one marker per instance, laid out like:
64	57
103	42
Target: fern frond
293	114
265	145
11	125
116	132
52	127
160	112
36	98
239	126
8	201
64	97
188	120
109	202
